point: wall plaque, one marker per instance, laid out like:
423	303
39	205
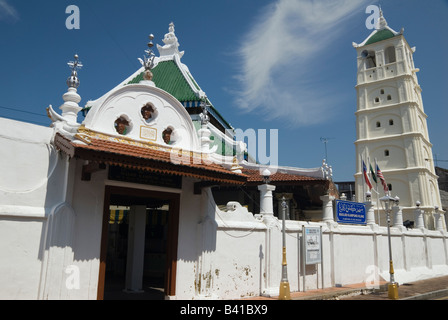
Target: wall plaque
148	133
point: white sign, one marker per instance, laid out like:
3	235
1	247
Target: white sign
312	245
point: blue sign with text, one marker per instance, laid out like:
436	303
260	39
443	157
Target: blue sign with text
350	212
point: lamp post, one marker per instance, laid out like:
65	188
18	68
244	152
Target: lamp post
387	202
284	293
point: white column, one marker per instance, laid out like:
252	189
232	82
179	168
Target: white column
419	223
439	218
266	204
136	249
398	216
370	212
327	208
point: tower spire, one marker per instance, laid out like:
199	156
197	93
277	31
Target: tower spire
382	23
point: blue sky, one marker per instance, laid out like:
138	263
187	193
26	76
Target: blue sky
285	64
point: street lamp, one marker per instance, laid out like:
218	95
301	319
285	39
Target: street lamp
266	176
284	293
387	202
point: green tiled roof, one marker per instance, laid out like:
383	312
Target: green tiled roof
380	35
168	77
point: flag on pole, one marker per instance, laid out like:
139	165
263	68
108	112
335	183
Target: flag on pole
372	172
383	181
366	178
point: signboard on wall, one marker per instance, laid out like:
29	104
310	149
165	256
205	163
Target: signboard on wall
350	212
312	245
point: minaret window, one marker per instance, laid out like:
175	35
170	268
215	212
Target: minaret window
389	97
370	59
386	153
391	122
390	55
378	124
377	100
382	91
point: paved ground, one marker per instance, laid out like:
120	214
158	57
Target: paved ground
430	289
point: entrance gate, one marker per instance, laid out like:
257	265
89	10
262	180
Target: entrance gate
139	240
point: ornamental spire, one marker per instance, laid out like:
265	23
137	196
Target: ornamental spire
73	81
382	23
68	120
171	47
148	60
71	98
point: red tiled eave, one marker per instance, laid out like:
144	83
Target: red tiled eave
149	159
255	178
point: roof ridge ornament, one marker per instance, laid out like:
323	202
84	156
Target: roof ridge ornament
68	120
382	23
148	61
73	80
171	47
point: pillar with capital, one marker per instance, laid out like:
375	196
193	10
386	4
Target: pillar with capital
419	222
439	218
266	204
327	208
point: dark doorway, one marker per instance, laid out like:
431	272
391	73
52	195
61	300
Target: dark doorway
153	218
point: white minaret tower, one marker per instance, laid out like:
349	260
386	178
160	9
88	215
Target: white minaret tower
391	124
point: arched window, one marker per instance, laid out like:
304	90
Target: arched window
391	122
389	97
386	153
390	55
378	124
377	100
389	186
382	91
370	60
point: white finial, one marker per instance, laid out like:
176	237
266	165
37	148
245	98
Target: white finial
68	120
171	47
382	23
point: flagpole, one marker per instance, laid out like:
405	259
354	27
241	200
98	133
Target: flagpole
377	197
364	183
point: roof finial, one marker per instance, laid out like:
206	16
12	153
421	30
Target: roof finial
148	60
171	47
71	98
205	119
73	81
382	23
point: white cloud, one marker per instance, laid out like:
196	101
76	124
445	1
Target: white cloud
8	12
278	72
